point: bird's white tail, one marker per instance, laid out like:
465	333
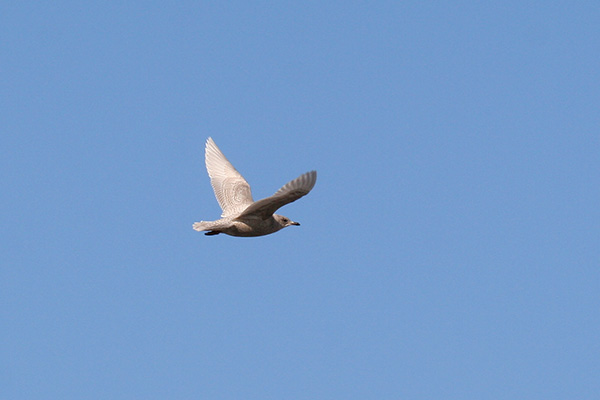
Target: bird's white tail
201	226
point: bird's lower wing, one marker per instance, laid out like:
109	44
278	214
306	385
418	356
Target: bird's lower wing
289	193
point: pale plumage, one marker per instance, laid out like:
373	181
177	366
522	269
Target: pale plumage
242	216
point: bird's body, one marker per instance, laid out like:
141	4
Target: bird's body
241	215
249	226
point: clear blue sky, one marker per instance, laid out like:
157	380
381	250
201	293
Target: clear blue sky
449	250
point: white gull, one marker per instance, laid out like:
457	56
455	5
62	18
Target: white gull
241	215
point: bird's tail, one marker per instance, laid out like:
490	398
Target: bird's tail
202	226
210	226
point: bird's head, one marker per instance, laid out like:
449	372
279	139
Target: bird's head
284	221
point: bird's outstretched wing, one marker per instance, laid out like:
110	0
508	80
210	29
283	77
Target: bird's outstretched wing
290	192
231	189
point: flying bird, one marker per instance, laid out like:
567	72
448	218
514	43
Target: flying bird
241	215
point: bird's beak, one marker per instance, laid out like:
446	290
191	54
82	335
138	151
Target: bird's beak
295	223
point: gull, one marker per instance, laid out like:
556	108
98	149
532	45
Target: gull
241	215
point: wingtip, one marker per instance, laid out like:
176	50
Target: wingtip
211	148
312	176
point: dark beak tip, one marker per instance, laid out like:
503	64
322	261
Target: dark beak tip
296	223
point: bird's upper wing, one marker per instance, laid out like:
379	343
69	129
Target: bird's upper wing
290	192
231	189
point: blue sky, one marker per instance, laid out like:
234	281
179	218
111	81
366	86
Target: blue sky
449	250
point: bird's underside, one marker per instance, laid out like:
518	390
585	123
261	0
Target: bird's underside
247	227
